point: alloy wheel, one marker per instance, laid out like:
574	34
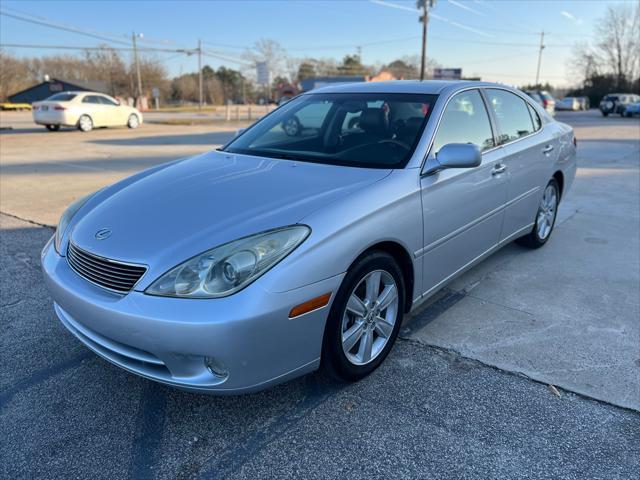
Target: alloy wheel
369	317
547	212
86	124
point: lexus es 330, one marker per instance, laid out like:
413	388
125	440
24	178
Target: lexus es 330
302	242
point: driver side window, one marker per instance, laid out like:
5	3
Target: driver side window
465	120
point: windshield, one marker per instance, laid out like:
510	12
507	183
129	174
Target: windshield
376	130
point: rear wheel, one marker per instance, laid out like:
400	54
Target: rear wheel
545	218
134	121
85	123
53	128
365	317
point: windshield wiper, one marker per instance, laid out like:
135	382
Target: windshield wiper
280	155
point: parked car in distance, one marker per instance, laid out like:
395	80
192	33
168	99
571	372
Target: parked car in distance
568	103
632	109
545	99
84	110
585	104
277	254
617	103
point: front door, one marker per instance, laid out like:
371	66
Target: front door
463	208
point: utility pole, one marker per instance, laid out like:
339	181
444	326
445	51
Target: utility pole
137	62
424	19
540	57
199	74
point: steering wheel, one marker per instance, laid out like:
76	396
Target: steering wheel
395	142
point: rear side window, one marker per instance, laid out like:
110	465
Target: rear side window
537	123
92	99
107	101
465	120
512	115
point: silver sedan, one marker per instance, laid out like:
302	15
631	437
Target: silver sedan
302	242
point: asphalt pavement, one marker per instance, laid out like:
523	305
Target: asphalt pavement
465	392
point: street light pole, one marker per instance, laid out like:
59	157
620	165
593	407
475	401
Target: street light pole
540	57
137	62
199	74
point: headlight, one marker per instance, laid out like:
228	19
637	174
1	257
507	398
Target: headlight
228	268
66	217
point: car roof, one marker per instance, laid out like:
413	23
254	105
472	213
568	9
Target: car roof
432	87
84	92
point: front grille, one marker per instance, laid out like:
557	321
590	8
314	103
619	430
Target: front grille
110	274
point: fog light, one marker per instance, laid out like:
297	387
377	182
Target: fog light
215	366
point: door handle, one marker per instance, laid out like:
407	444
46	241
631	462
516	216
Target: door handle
547	149
498	169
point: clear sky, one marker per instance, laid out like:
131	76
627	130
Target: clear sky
495	39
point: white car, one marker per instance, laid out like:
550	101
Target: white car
568	103
84	110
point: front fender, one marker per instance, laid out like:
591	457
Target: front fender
387	211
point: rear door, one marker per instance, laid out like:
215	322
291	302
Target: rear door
529	153
462	208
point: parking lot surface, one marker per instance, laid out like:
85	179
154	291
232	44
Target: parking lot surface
463	394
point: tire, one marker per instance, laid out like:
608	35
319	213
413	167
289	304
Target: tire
292	126
545	218
604	114
53	128
133	121
85	123
374	327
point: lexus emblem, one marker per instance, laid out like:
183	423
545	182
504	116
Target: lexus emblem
103	234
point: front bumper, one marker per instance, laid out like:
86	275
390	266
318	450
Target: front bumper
249	334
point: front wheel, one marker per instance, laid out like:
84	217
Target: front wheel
53	128
85	123
133	121
365	317
545	217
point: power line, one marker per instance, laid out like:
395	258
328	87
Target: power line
107	47
60	27
223	57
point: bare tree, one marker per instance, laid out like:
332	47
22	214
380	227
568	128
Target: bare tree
14	75
617	51
271	52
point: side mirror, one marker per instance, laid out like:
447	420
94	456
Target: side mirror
454	155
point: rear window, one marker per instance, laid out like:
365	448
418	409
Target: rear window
546	95
62	97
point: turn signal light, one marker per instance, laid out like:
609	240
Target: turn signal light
310	305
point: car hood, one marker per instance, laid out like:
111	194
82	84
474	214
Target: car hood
191	206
